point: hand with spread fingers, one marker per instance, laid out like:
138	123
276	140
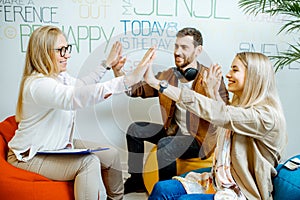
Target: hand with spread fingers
115	55
212	80
138	74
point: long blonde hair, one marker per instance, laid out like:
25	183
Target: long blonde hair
40	58
260	85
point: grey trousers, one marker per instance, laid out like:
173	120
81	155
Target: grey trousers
97	175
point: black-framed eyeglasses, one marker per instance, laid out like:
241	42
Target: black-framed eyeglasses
64	49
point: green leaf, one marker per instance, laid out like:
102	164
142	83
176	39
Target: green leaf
290	9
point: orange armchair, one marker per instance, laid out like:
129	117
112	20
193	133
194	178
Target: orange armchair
16	183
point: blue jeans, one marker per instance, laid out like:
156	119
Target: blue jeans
174	190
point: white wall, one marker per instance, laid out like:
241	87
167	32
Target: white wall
93	25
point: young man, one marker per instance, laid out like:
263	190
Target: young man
183	134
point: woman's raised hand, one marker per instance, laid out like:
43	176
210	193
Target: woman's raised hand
115	54
138	74
211	80
150	78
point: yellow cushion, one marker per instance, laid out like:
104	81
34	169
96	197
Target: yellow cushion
150	173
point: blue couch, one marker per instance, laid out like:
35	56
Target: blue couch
287	182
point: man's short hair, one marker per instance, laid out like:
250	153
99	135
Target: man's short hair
196	34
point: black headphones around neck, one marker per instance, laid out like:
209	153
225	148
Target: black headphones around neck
190	73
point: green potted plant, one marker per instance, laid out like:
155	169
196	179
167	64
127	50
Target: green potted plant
289	8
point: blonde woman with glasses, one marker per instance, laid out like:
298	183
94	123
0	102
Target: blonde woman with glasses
48	100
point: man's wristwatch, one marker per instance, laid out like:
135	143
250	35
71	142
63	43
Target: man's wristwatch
163	85
107	67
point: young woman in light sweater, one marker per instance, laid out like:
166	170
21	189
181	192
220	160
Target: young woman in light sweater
251	133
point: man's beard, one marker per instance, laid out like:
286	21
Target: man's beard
186	63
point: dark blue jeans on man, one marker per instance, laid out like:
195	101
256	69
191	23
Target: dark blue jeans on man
169	148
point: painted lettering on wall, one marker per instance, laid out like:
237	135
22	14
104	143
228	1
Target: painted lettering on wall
75	35
18	11
269	49
93	9
267	18
142	34
176	8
